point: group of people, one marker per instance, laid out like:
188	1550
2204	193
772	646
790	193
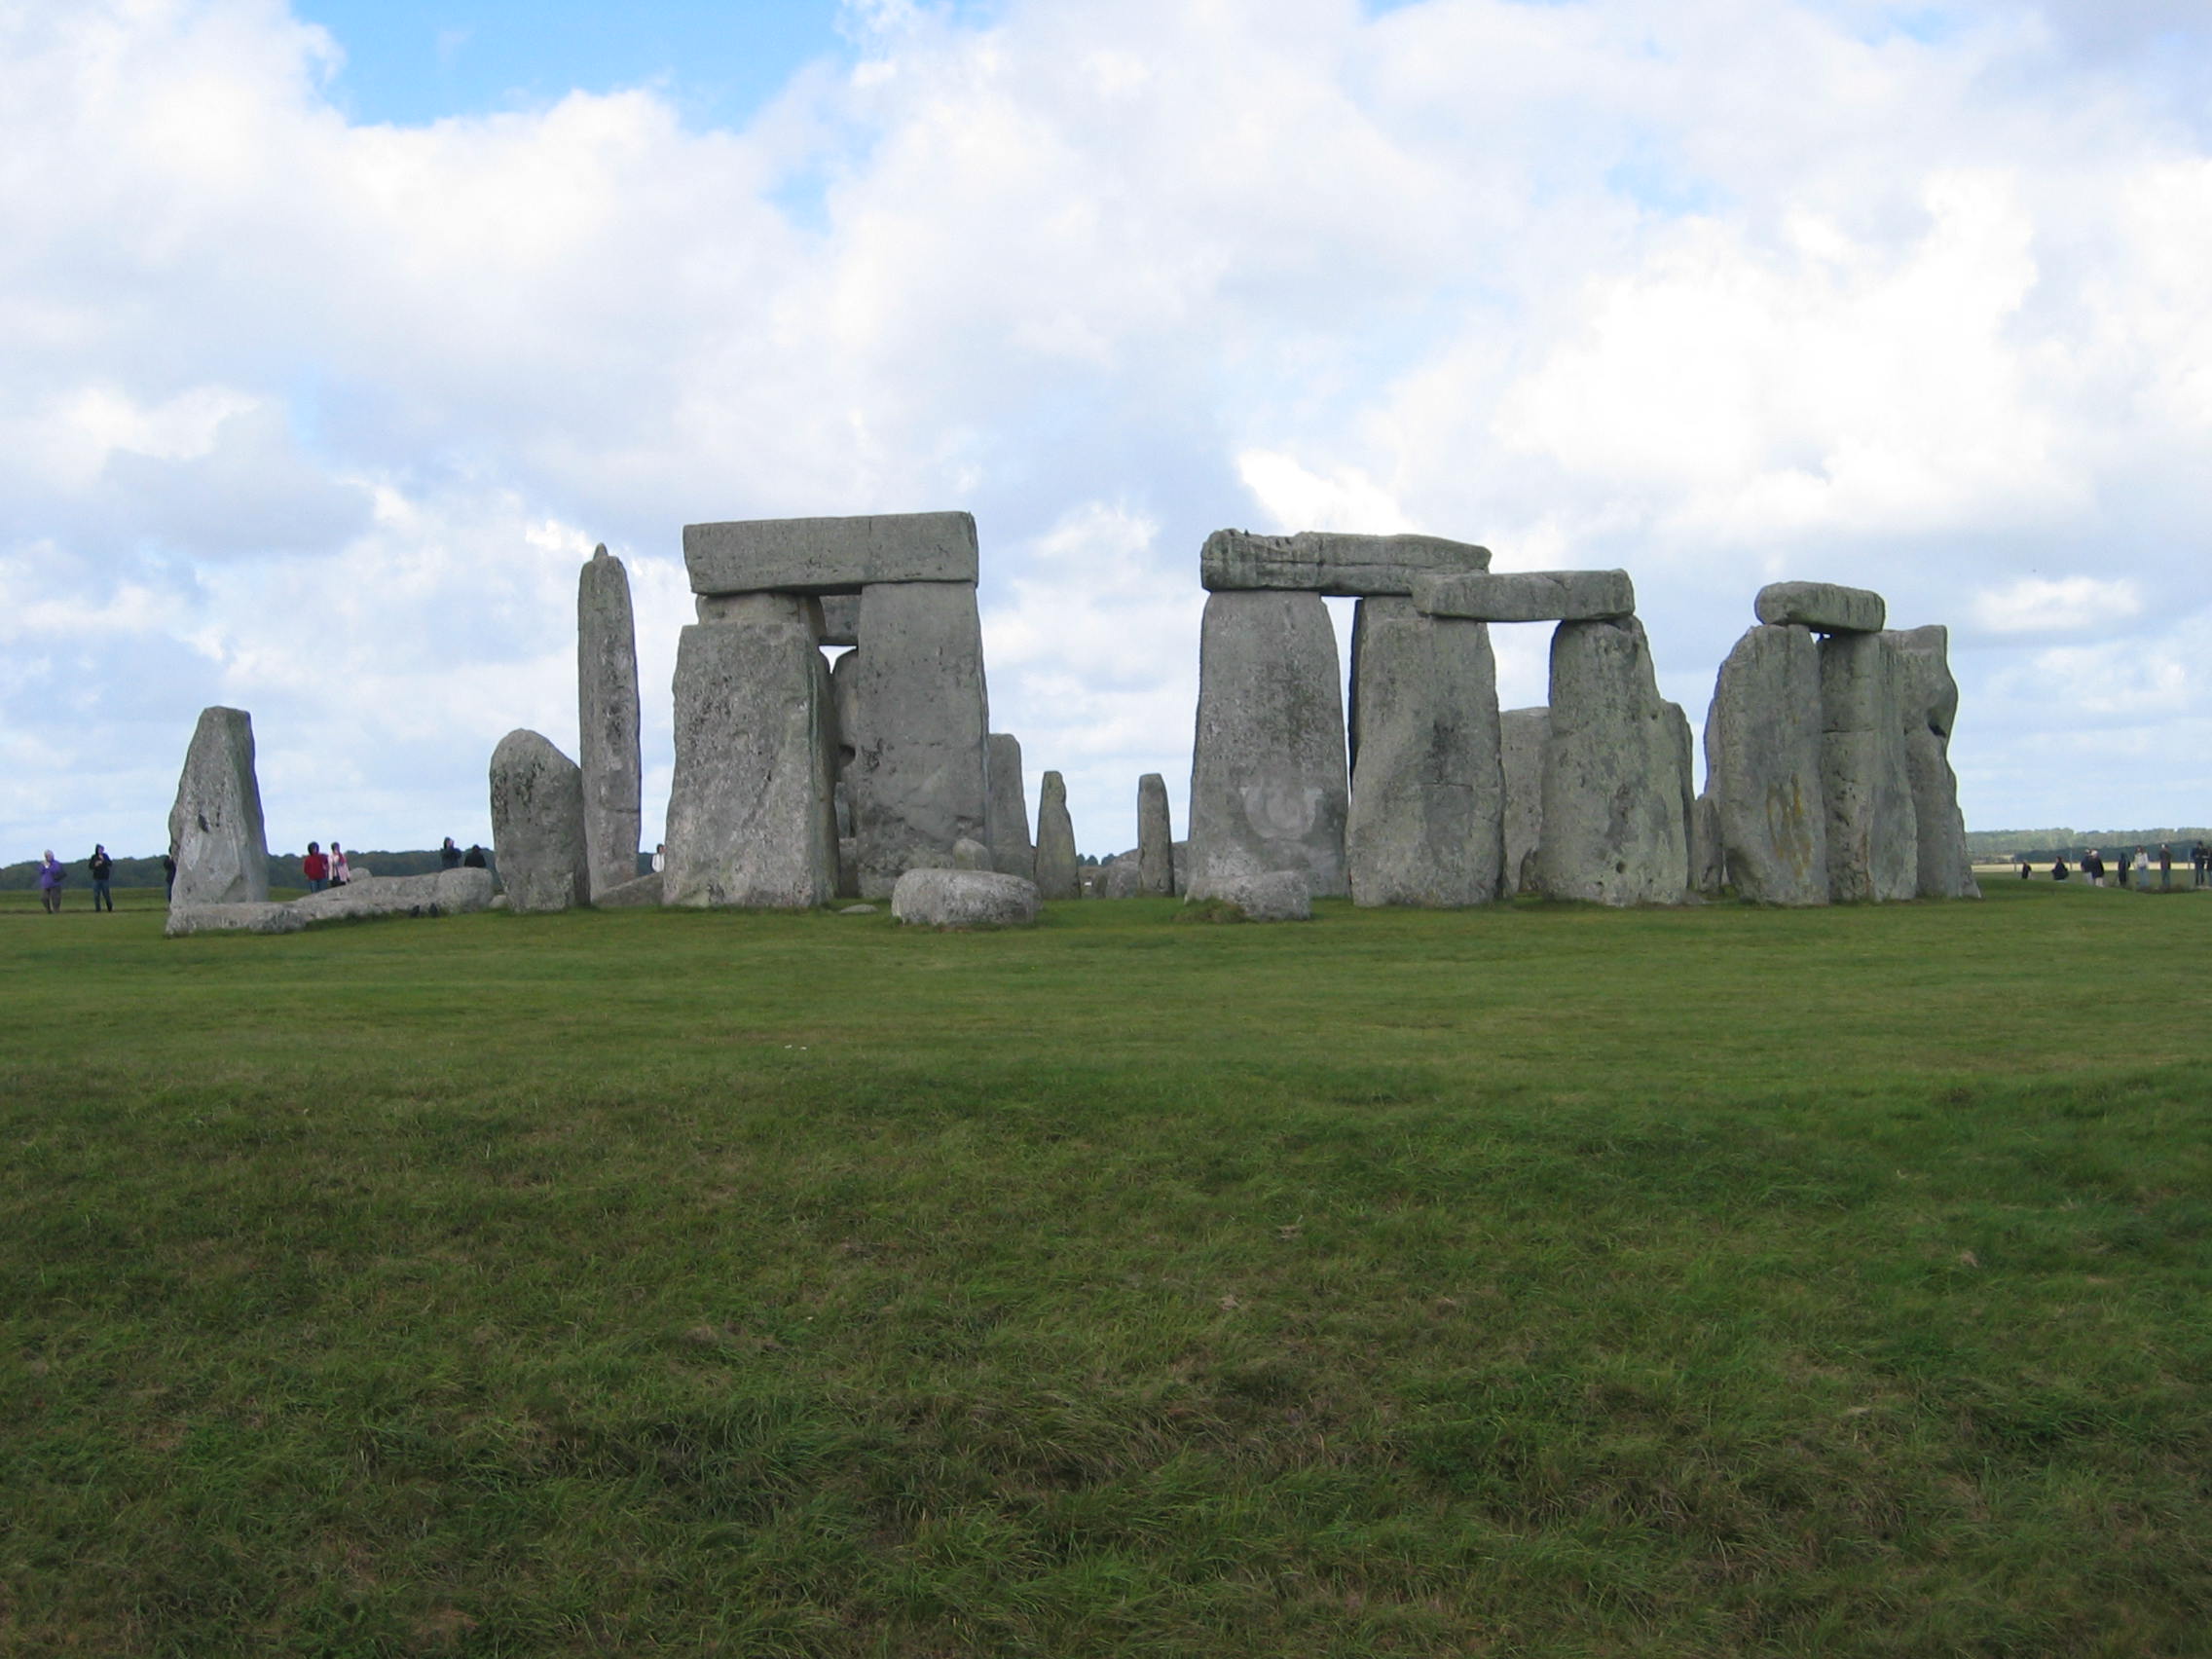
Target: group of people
321	872
451	856
2136	864
54	875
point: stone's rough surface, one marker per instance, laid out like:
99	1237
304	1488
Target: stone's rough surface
1427	823
606	721
538	825
1521	736
857	910
1155	838
1058	874
830	555
1866	783
1182	851
1821	606
1930	706
1320	561
964	899
1279	896
1709	864
259	917
440	893
1614	828
1123	878
1762	755
1007	826
643	891
751	822
841	619
1528	595
222	855
1268	788
970	854
916	779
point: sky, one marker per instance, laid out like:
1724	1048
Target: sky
333	335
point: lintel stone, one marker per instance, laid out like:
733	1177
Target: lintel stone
1528	595
1331	562
1823	606
830	555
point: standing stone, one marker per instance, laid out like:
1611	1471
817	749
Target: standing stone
751	817
1709	864
1269	785
222	851
1866	783
606	721
1156	840
844	676
538	825
1615	827
1521	736
916	780
1762	755
1012	853
1058	874
1930	707
1427	823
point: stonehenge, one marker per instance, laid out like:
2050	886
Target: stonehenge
1058	875
963	899
538	825
215	827
607	721
1155	838
1930	703
1521	736
1007	809
1528	595
1615	825
1326	562
1762	752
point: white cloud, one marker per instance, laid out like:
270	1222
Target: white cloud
2041	605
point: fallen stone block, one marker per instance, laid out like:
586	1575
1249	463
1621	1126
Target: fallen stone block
1528	595
222	852
963	899
640	892
1823	606
538	825
830	555
1330	561
260	917
1278	895
439	893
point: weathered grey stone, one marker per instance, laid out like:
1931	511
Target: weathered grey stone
538	825
857	910
222	852
1929	707
830	555
639	892
500	902
1278	895
1058	873
1686	774
439	893
1155	838
1614	830
606	721
1123	879
1521	736
751	822
1427	823
1269	785
971	853
963	899
1321	561
1528	595
917	777
1823	606
1012	853
256	917
1762	752
1866	783
1182	851
1709	864
841	618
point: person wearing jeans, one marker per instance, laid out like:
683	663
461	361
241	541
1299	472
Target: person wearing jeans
101	867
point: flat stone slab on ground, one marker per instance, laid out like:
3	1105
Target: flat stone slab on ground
439	893
256	918
1330	561
1821	606
964	899
1279	896
640	892
1528	595
830	555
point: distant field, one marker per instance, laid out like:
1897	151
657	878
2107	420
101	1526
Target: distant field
1540	1280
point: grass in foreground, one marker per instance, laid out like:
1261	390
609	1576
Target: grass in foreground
1539	1280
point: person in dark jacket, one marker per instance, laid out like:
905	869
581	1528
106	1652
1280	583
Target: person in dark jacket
2058	870
168	874
101	867
474	858
449	856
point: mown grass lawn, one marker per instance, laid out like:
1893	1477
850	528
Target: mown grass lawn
1533	1280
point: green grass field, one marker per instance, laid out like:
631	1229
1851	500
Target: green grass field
1538	1280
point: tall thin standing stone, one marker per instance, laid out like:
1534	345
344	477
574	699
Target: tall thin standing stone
606	721
215	829
1866	783
1521	736
1931	705
1058	875
1155	838
1012	853
1615	828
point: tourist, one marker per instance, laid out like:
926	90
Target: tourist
102	868
473	859
51	876
2026	868
316	867
2126	858
169	875
2199	864
2058	870
2094	866
2165	866
2142	870
340	873
449	856
660	858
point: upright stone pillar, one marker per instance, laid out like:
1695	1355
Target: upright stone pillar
916	782
751	817
1269	785
1762	756
1614	830
1931	705
1873	840
538	825
606	721
215	827
1521	736
1058	875
1156	840
1427	823
1012	853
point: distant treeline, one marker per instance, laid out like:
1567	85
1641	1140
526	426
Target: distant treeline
284	869
1988	846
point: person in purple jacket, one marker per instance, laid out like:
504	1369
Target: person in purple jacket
51	876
